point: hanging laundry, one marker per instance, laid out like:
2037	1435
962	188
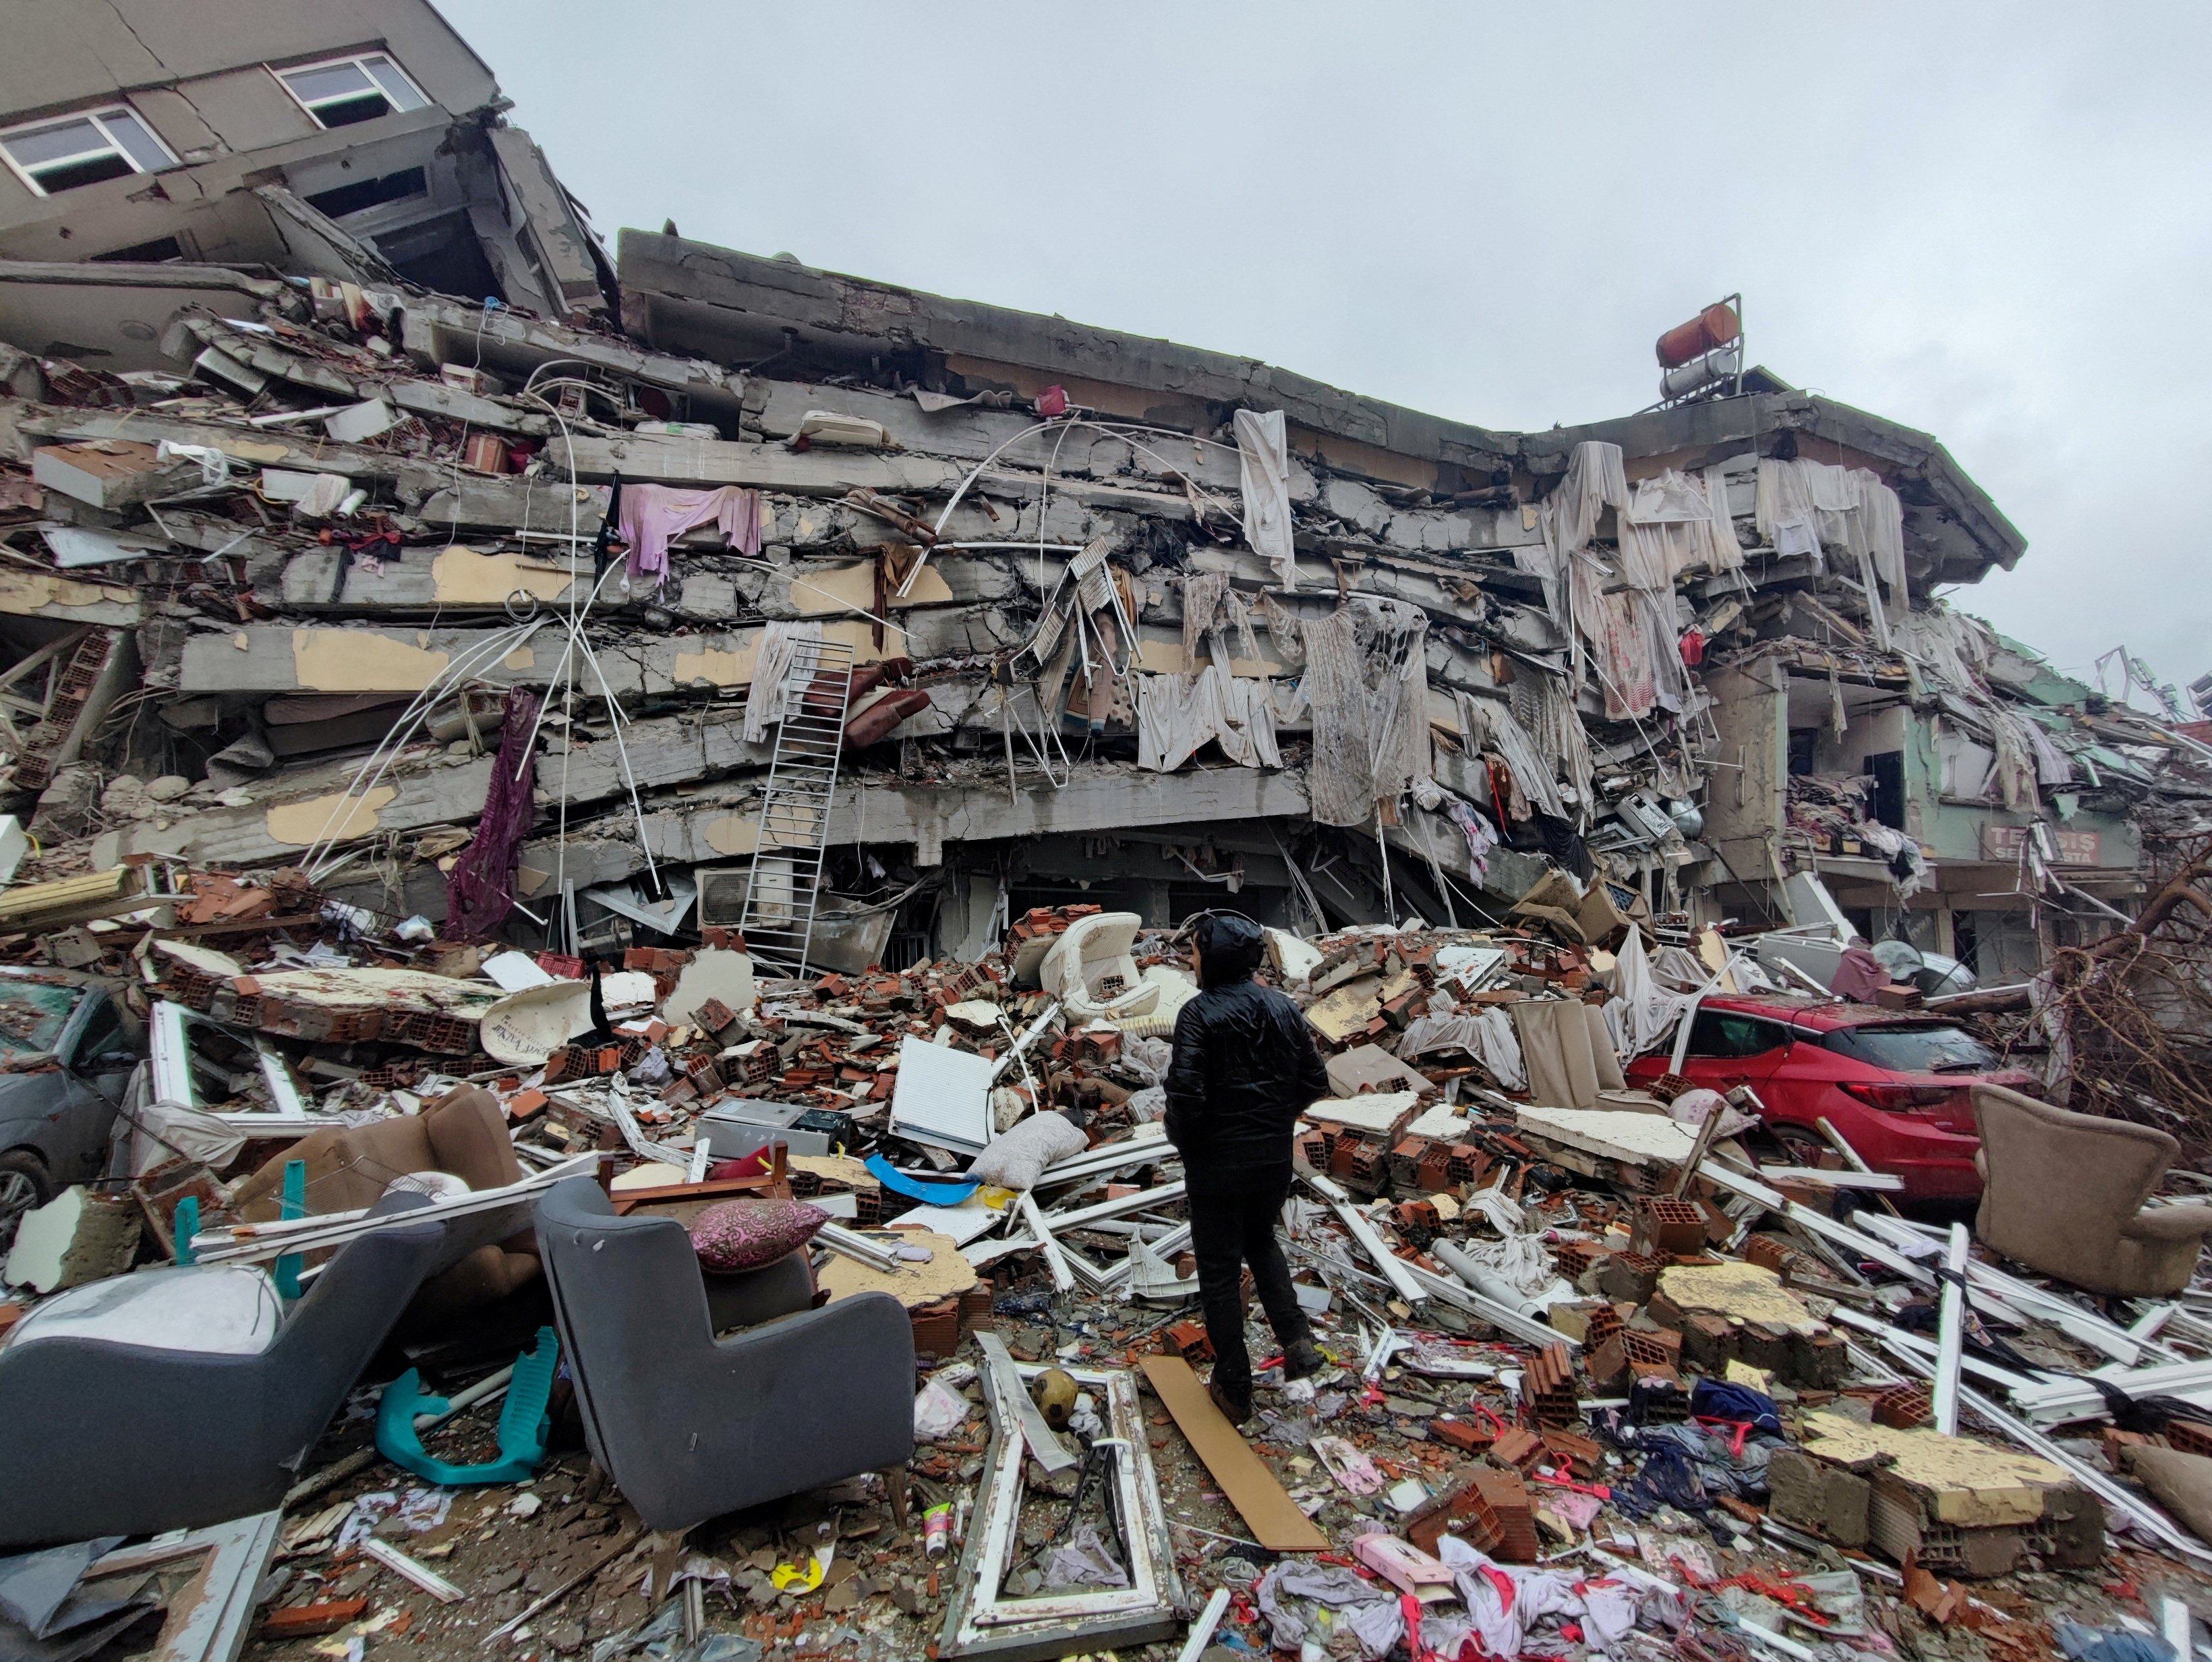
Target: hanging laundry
1481	838
1489	724
1177	714
1212	611
653	516
772	661
480	891
1544	705
1568	519
1670	679
1263	451
1674	523
1367	680
1287	632
1622	655
1801	504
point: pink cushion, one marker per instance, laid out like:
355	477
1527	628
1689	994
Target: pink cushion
750	1234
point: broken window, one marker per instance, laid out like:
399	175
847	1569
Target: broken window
345	90
1723	1033
371	192
32	1017
83	149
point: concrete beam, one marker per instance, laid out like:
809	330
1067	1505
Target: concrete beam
691	296
830	473
1102	797
461	578
276	658
62	597
438	331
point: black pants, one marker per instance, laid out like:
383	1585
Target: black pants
1230	1228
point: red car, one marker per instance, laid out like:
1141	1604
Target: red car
1894	1083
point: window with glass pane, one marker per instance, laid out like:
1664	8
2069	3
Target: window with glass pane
84	149
352	89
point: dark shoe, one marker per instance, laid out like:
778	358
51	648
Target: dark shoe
1302	1360
1235	1406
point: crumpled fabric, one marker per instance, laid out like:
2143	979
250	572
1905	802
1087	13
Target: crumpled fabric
1263	456
653	515
1518	1255
1955	648
1719	1468
1858	975
2083	1644
1609	1611
1504	1601
1545	706
1084	1562
1485	1033
1177	714
1641	1012
1366	1608
1668	1477
480	889
2027	760
1719	1399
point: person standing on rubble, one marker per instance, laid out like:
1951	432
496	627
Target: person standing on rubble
1245	1067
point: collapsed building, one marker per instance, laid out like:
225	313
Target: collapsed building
575	740
1147	625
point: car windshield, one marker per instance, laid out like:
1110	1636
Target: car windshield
32	1017
1914	1049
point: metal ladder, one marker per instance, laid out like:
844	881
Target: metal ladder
778	922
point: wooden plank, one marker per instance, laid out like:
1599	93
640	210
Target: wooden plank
1268	1510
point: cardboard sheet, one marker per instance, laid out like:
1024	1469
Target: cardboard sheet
1268	1510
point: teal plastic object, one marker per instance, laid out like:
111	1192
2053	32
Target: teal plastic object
187	1221
523	1422
293	1205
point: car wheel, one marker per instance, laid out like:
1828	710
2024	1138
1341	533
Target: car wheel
24	1187
1803	1148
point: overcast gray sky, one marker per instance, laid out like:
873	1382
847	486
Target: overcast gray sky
1990	223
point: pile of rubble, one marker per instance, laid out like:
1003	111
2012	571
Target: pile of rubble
1608	1373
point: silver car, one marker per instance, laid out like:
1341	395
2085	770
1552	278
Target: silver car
67	1048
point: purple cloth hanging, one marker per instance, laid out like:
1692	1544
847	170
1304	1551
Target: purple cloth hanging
480	890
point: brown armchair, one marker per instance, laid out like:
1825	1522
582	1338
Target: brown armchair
462	1132
2063	1194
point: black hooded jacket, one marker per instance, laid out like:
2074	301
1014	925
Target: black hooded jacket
1245	1066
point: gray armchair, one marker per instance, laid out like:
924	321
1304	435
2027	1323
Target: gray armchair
2064	1194
690	1425
174	1398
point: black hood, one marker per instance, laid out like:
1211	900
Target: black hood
1230	945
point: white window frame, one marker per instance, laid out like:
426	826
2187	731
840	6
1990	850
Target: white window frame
359	60
98	116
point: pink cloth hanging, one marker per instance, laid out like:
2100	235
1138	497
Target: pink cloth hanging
653	515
